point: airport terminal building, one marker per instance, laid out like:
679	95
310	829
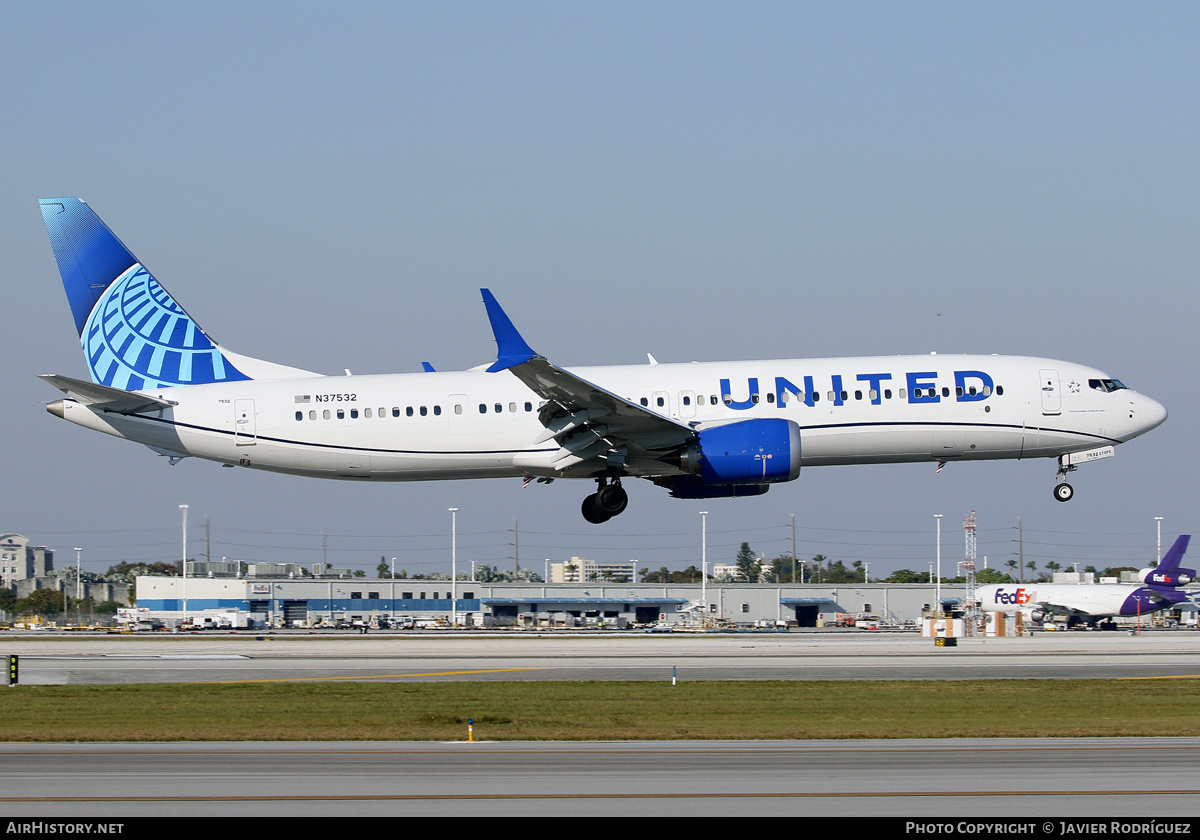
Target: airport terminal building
315	602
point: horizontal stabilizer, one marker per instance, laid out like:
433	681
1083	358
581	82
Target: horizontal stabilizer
105	397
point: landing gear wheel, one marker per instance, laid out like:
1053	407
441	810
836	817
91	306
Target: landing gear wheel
592	512
1063	492
612	499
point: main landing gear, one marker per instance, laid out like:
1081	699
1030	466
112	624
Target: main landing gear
609	500
1064	492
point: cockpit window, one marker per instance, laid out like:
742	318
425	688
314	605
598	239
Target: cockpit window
1108	385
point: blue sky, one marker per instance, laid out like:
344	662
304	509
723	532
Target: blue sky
329	187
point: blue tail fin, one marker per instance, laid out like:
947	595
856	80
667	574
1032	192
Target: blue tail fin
134	335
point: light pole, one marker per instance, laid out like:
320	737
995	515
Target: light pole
453	567
704	560
184	510
794	549
78	593
938	588
1158	521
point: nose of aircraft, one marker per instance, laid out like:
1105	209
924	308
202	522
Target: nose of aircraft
1150	414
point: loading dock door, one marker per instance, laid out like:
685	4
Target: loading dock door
807	614
295	613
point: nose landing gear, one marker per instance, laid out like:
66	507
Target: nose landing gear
609	500
1064	492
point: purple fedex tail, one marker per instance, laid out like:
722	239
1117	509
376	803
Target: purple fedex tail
1169	573
1162	583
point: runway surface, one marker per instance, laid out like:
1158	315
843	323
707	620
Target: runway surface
1016	779
853	655
1019	779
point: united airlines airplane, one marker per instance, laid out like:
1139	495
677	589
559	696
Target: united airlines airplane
699	430
1160	589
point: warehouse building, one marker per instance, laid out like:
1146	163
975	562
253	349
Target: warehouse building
313	603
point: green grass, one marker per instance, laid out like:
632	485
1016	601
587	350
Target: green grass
600	710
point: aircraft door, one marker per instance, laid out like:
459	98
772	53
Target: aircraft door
1051	398
244	433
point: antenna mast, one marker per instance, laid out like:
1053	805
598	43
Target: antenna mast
970	602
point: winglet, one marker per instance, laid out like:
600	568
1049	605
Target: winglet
511	348
428	368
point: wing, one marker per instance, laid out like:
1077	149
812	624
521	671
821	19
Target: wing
597	431
1076	611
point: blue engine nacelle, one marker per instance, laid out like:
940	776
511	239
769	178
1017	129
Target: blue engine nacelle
750	452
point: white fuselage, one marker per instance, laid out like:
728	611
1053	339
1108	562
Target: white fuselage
1090	600
475	424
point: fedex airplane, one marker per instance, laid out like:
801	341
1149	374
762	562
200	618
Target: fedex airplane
1159	590
699	430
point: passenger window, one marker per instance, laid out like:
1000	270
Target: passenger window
341	415
754	398
424	411
816	397
645	402
661	402
437	411
482	408
354	414
902	392
458	409
999	390
874	395
728	399
499	408
770	398
299	415
832	396
945	392
325	414
395	411
699	399
312	415
529	406
409	411
367	413
858	395
512	406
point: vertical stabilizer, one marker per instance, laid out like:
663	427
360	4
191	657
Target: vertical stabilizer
134	335
1169	572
